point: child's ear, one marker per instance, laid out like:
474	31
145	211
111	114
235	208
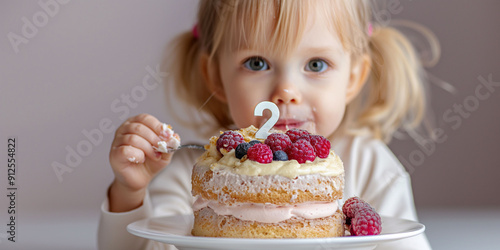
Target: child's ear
211	77
359	74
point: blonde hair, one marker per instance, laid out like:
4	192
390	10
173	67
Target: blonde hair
393	98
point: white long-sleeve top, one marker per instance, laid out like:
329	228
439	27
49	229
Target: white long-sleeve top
372	172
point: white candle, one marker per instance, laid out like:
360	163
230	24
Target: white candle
263	132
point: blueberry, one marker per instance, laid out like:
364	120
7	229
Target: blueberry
254	142
280	155
241	149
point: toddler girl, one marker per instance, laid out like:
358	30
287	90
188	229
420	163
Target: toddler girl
329	70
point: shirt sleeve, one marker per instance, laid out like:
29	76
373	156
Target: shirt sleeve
375	175
171	190
169	193
112	231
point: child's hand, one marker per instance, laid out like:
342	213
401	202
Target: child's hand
134	160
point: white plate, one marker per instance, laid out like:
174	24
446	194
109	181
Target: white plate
176	230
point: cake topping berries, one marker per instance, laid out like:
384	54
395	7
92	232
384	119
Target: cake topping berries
241	150
278	141
280	155
320	144
361	218
296	133
229	140
261	153
295	144
301	150
254	142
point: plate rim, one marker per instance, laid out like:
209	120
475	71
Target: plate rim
190	240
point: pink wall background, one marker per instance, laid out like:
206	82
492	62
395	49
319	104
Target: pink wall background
75	64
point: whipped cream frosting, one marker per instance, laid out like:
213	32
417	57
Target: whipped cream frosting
269	213
330	166
170	140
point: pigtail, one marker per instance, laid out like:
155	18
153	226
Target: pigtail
395	95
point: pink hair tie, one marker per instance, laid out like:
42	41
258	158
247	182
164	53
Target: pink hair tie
370	29
195	31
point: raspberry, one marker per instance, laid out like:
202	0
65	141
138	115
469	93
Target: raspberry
321	144
260	153
241	150
348	206
229	140
280	155
278	141
296	133
301	150
361	218
366	222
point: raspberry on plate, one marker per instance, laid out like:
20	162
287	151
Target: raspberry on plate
320	143
296	133
301	150
229	140
278	141
260	153
348	206
361	218
366	222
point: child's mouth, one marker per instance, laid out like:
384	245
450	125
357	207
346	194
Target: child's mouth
286	124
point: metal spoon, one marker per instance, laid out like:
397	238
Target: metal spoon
191	146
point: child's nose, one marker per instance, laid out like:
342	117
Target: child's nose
286	93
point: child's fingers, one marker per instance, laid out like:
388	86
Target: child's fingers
149	121
165	157
141	130
128	154
139	142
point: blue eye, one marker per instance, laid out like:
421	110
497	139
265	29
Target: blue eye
256	64
317	65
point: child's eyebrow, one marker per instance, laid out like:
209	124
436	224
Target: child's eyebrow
309	50
323	50
246	52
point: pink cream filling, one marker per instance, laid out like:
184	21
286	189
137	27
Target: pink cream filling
269	213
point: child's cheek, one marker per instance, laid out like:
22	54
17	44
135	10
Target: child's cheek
330	121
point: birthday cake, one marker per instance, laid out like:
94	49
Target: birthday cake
286	186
